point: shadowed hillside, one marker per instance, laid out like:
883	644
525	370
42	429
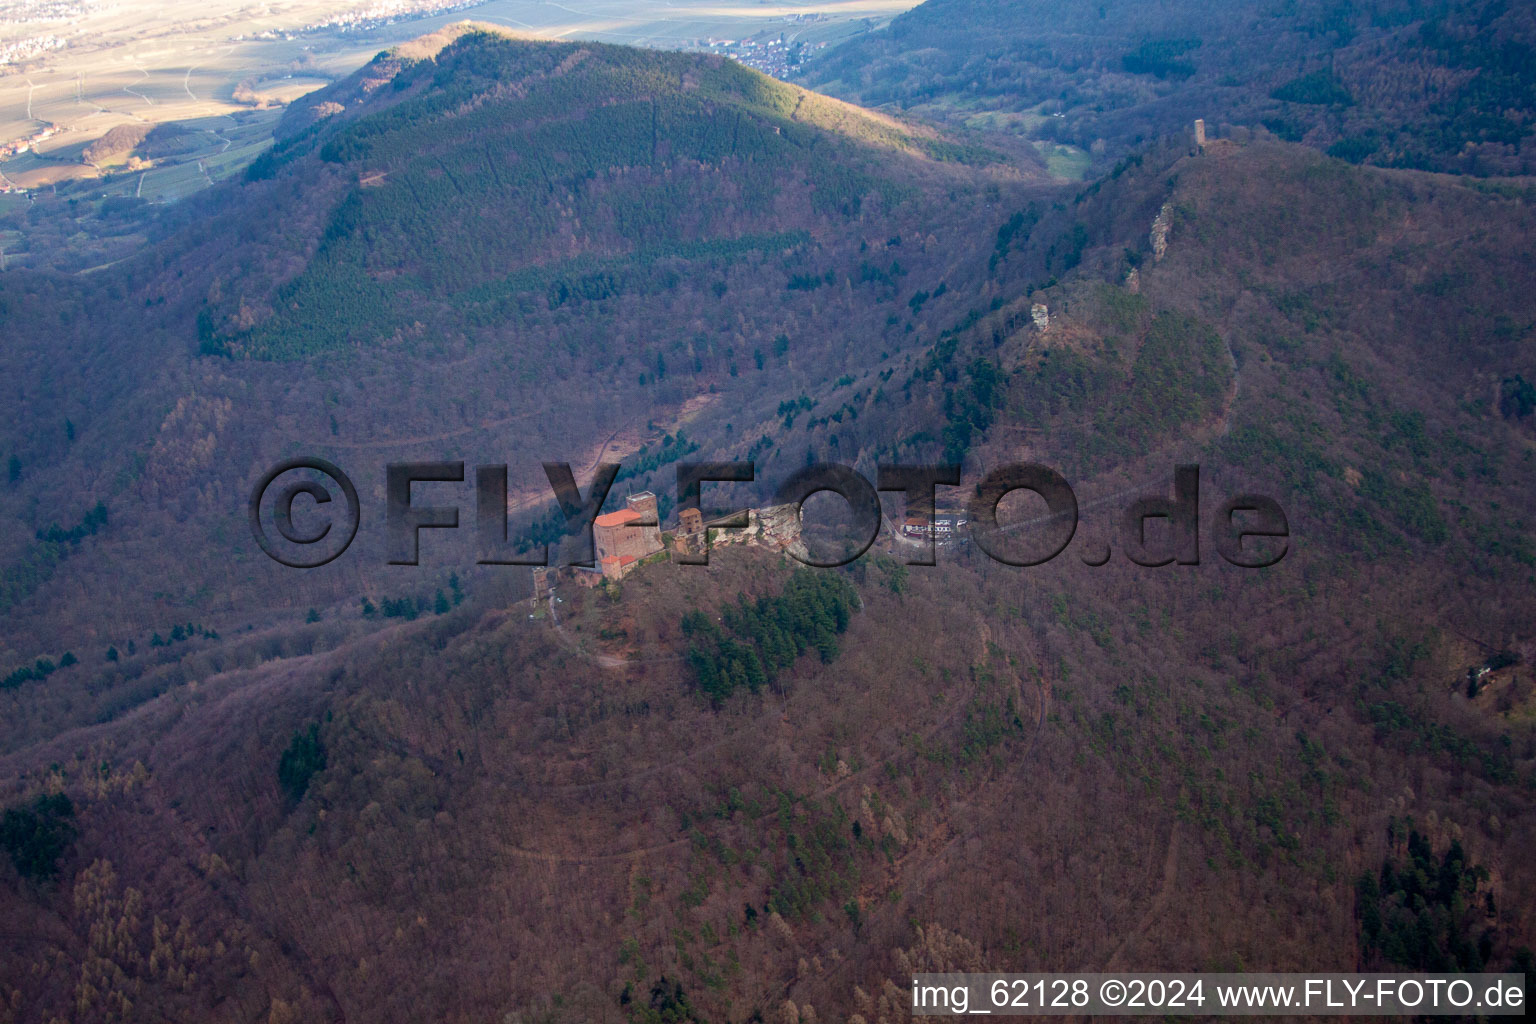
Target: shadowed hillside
1447	85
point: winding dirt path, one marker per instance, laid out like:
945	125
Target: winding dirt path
1157	906
605	660
447	435
132	92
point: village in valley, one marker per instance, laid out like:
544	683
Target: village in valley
773	54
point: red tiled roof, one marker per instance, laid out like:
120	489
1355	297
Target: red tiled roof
619	518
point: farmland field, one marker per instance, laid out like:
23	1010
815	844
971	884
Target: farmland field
221	69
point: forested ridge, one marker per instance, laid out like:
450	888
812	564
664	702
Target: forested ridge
516	174
751	790
1444	85
447	246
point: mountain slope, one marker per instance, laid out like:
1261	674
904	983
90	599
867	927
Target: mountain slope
494	808
525	251
540	162
989	768
1447	85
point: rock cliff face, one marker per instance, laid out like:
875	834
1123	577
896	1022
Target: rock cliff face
776	527
1159	236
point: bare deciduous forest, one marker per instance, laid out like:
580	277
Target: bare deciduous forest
753	791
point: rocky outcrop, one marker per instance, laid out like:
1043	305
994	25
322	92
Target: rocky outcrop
1160	226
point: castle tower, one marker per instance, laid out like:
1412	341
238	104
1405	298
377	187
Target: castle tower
623	538
1199	135
645	504
649	523
690	531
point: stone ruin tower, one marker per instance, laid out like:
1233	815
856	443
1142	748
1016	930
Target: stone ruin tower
690	531
645	504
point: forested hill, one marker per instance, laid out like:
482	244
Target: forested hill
506	174
1447	85
480	246
230	790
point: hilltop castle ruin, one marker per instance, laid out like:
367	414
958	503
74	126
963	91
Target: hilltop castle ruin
622	539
